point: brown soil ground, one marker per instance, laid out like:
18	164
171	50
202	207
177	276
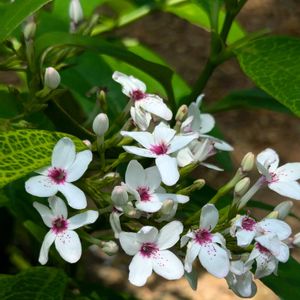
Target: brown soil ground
185	47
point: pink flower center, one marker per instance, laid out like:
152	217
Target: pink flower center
144	193
262	249
159	149
148	249
203	236
137	95
59	225
57	175
248	224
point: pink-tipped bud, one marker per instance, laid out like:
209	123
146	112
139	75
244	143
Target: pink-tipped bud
87	143
51	78
100	124
119	195
181	113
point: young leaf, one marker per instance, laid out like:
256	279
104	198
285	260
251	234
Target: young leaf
273	63
24	151
14	13
39	283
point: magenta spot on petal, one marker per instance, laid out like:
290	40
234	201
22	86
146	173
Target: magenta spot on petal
159	149
203	236
148	249
57	175
144	193
59	225
248	224
262	249
137	95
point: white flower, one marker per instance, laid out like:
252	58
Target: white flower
67	166
144	185
61	231
209	247
144	104
240	279
245	229
197	122
197	151
282	180
149	248
162	142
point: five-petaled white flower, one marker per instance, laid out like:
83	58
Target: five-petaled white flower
67	166
245	229
144	104
159	145
61	231
282	180
209	247
240	279
144	185
149	248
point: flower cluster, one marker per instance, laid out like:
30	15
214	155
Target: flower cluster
229	243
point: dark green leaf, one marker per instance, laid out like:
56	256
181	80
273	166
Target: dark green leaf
14	13
273	63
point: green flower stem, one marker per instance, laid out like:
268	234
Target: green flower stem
101	150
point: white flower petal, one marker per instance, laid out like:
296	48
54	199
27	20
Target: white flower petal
180	141
245	237
214	259
169	235
129	83
58	207
75	196
270	242
185	157
87	217
168	170
128	241
155	105
211	166
209	217
174	197
284	253
141	118
288	172
135	175
47	242
144	138
266	265
150	206
139	151
269	159
68	246
80	165
140	269
167	265
192	252
43	171
289	189
45	213
162	133
207	123
40	186
147	234
153	178
274	226
63	154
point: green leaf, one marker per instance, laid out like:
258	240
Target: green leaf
198	15
248	99
286	284
273	63
14	13
24	151
39	283
59	39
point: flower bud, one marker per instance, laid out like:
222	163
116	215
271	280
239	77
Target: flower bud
247	162
75	11
167	206
283	209
29	30
114	220
242	186
296	240
88	144
119	195
272	215
100	124
110	247
181	113
51	78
